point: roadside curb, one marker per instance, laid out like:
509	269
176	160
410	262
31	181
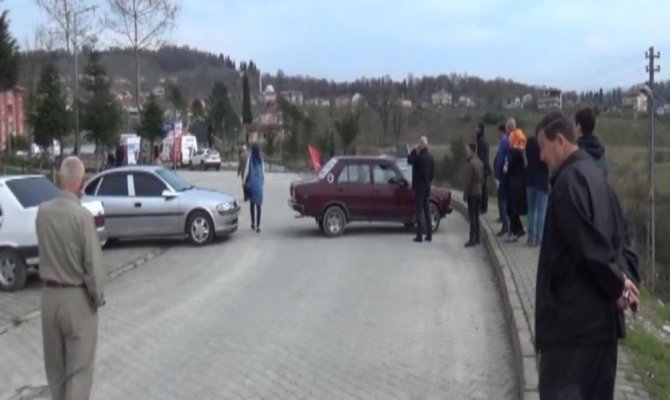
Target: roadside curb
110	275
522	340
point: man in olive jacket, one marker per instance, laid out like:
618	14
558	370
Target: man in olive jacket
472	194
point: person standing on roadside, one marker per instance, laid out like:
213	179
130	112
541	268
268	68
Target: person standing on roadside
71	269
483	154
516	179
254	177
585	124
537	188
587	273
472	195
423	172
500	175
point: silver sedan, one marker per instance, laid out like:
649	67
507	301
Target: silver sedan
152	201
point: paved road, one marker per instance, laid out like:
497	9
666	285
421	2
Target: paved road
288	314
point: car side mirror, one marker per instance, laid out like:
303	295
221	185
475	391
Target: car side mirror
169	195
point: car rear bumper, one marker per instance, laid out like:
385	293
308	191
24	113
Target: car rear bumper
225	224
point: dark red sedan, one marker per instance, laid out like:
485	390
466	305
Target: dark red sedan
362	189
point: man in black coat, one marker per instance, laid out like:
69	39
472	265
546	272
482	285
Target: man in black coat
423	172
585	275
483	154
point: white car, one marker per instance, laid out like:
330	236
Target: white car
19	198
205	158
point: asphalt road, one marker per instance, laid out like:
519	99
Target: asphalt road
289	314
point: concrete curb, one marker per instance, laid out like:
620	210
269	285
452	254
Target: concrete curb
110	275
522	340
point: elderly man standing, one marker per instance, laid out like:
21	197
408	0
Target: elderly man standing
423	171
71	269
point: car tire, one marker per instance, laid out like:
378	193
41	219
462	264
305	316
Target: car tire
435	217
334	221
13	269
200	228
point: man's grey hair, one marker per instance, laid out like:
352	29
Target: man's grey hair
423	141
511	125
71	170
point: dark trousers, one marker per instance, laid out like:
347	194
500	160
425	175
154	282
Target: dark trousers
422	212
255	215
502	206
585	372
484	204
474	208
516	225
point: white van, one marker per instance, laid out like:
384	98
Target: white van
179	149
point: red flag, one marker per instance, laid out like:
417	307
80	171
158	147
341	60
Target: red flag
315	155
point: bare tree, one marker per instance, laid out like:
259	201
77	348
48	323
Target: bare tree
380	99
140	24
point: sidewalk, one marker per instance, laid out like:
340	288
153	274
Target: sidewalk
516	267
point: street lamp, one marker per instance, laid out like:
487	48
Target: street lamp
76	75
648	92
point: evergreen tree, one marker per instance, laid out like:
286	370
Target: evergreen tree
9	55
197	110
50	119
221	115
247	117
347	127
101	113
151	127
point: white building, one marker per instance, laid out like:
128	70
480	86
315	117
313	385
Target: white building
551	99
293	96
441	98
269	95
512	103
465	101
634	100
318	102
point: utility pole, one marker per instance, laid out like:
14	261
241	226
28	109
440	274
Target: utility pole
651	69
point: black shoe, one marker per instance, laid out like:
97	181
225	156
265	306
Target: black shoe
429	238
522	233
253	227
502	232
469	244
417	240
258	230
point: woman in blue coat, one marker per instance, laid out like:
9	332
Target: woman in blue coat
254	177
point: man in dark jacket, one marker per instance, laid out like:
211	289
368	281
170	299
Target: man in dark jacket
474	175
501	177
585	124
423	171
483	154
537	191
582	283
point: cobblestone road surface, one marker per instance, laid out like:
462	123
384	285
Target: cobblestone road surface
288	314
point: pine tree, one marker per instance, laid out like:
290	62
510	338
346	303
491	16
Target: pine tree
9	55
50	119
101	113
151	127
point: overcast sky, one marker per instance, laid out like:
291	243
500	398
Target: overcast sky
571	44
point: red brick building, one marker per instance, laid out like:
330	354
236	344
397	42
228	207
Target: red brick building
12	119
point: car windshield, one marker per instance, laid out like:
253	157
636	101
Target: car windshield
174	180
326	168
31	192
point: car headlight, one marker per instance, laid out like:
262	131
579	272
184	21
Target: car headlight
225	207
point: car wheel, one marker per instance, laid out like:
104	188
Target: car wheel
13	270
334	222
435	217
200	228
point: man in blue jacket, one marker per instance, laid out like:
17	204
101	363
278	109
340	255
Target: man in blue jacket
499	173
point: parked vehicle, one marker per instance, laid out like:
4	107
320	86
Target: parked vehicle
205	158
20	197
152	201
178	149
354	189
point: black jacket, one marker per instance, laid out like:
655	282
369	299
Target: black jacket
537	173
483	154
423	169
592	145
579	277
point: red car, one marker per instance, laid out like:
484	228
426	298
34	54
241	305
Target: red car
359	188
